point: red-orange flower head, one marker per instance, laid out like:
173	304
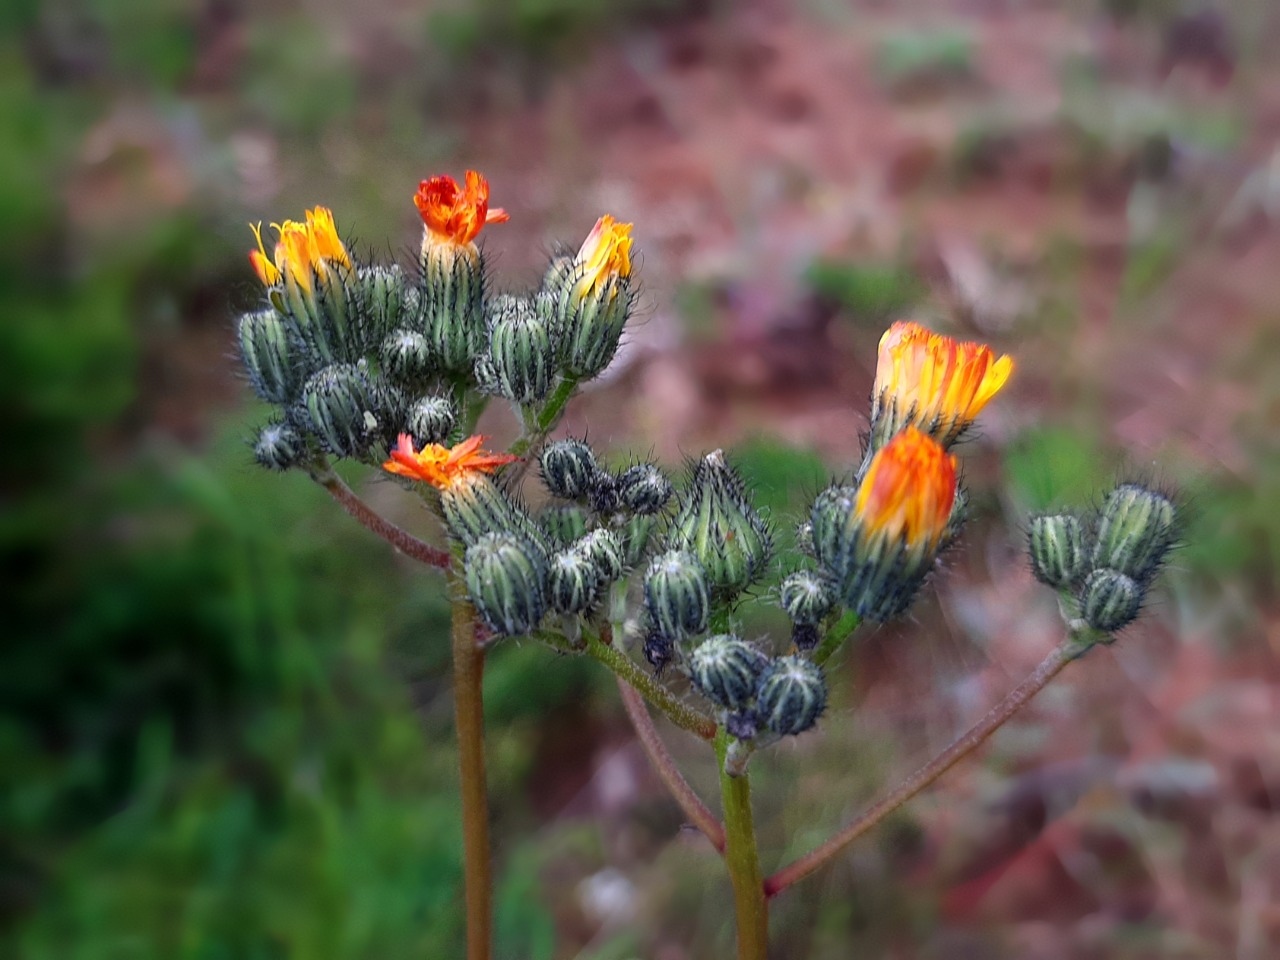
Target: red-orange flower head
444	467
877	542
932	381
455	215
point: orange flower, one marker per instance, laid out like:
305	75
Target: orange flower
454	215
933	381
908	491
444	467
302	249
605	253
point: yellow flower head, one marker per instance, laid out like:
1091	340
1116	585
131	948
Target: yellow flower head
444	467
908	492
937	383
606	253
455	215
302	250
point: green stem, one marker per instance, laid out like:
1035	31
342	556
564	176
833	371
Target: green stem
468	674
530	444
743	860
837	635
1075	646
682	715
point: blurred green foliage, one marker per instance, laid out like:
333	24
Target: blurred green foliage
870	292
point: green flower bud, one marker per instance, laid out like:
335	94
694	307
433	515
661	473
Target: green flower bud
569	469
604	550
565	522
327	318
506	581
589	299
828	519
338	407
406	357
475	505
1057	548
717	524
521	356
1110	600
279	447
807	597
453	303
791	695
675	593
430	420
267	356
725	670
637	537
1135	531
387	300
643	489
573	582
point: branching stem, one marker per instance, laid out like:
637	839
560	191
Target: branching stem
403	541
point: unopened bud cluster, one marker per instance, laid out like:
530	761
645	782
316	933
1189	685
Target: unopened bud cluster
1106	561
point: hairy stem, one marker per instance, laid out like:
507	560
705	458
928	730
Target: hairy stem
682	715
468	673
743	860
403	541
973	738
530	445
837	635
665	766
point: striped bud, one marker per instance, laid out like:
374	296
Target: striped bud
726	670
588	299
279	447
604	550
430	420
717	523
573	582
565	522
1057	548
675	593
338	407
791	695
643	489
406	357
569	469
637	538
385	298
268	359
1110	600
475	505
327	316
506	581
1136	528
807	597
521	356
453	298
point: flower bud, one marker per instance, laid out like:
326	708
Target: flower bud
521	356
565	522
604	550
506	581
474	506
1056	545
430	419
1135	531
675	593
385	300
791	695
268	359
725	670
406	357
569	469
1110	600
453	298
637	537
717	523
643	489
573	582
589	299
807	597
337	405
279	447
804	537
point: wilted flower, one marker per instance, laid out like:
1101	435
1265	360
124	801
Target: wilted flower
938	384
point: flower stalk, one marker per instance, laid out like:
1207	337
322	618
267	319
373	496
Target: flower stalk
742	857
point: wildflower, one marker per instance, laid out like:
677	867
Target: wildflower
606	253
452	214
444	467
932	381
302	250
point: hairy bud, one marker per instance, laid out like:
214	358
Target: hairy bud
521	357
573	582
675	593
338	406
453	303
588	298
637	537
279	447
807	597
564	522
643	489
791	695
569	469
604	550
506	581
267	356
1135	531
406	357
1056	544
430	420
725	670
1110	600
385	298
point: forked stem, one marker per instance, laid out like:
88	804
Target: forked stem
973	738
742	857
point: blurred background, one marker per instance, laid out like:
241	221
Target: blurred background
224	712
